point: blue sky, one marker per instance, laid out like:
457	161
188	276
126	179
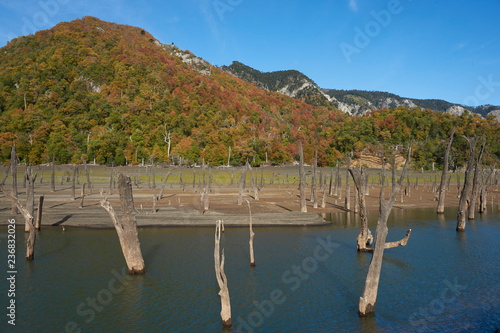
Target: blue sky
414	48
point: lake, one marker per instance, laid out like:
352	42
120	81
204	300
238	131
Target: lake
306	279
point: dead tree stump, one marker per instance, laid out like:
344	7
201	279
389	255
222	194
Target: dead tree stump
39	213
476	182
127	227
225	312
252	234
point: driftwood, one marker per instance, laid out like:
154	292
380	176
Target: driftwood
127	227
464	197
225	312
476	183
302	183
28	219
369	297
252	234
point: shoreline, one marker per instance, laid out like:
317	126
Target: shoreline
278	203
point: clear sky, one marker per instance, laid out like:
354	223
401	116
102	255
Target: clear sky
414	48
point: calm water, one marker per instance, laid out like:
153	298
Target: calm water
306	279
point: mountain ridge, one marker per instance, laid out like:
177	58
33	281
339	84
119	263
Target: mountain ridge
356	102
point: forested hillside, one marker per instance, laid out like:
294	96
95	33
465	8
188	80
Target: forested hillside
113	93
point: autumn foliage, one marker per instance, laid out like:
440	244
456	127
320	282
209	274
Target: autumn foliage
111	93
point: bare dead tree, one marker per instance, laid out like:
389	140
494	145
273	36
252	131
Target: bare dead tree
476	182
38	223
89	184
127	227
13	167
73	186
206	204
225	312
347	204
241	185
28	219
163	185
484	190
369	297
442	189
30	195
314	181
82	195
7	171
110	187
365	237
252	234
53	175
302	184
330	188
464	197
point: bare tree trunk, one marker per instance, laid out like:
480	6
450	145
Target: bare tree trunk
484	191
313	183
30	195
127	228
348	186
442	190
73	186
163	185
475	183
359	182
82	195
154	200
330	188
367	301
13	167
110	187
252	234
225	312
53	175
28	219
302	184
464	197
6	173
89	184
38	224
206	205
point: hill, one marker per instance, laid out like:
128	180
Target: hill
114	94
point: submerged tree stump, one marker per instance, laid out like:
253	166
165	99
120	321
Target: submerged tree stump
127	227
252	234
476	183
225	312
